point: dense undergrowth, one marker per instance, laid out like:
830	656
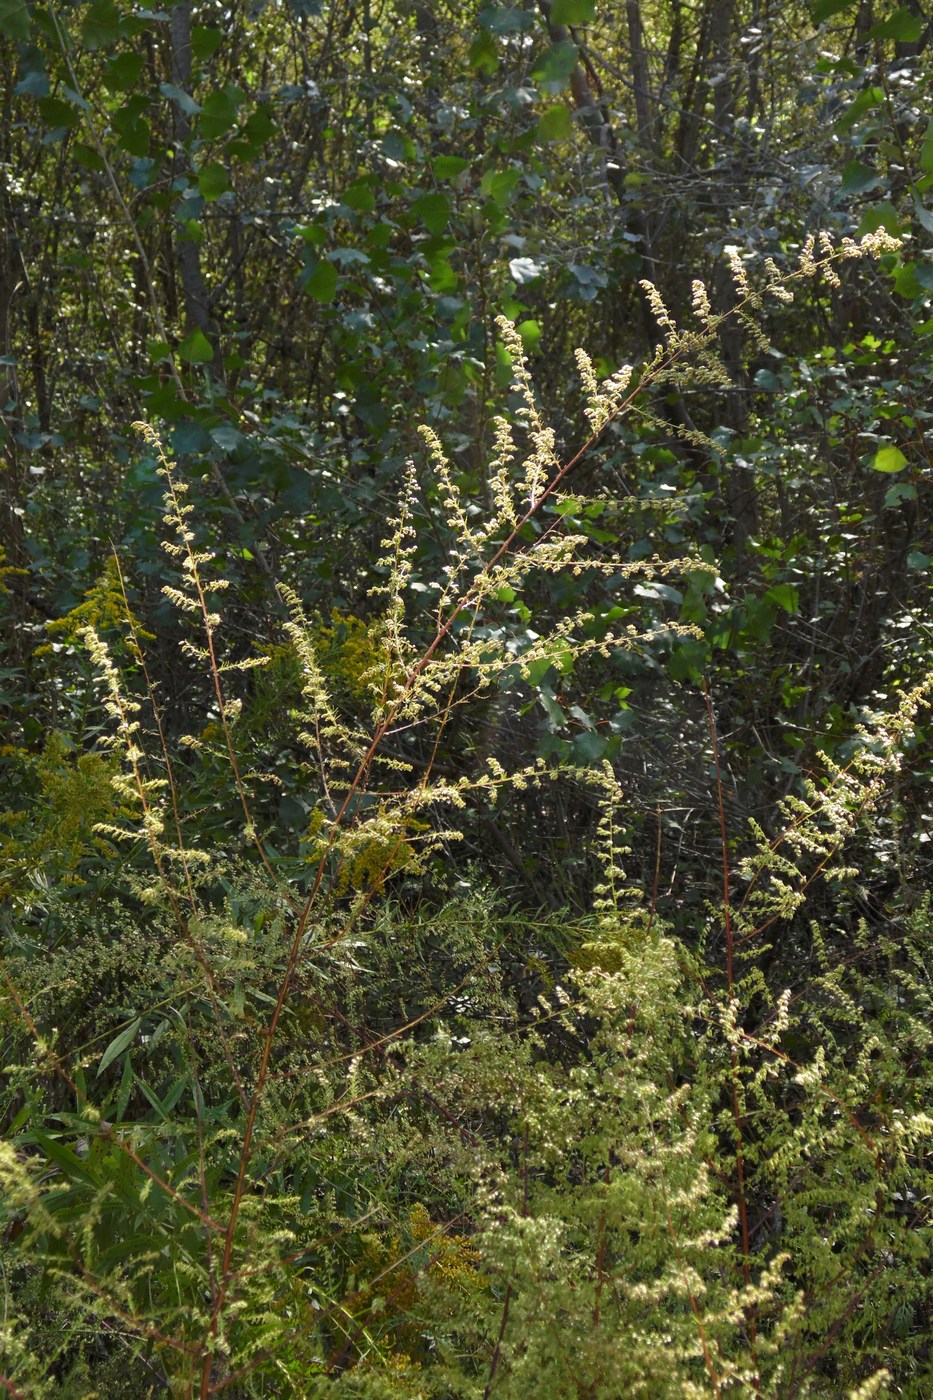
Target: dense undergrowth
332	1115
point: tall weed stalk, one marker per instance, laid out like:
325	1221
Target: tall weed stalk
315	1140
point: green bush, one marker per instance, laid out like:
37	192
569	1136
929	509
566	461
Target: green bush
327	1117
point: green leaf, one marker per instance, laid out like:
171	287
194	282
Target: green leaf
554	67
785	596
889	459
33	79
589	747
196	349
131	126
902	26
689	660
205	42
505	19
555	124
917	560
213	180
442	276
87	157
219	112
499	186
877	216
182	99
102	25
449	167
315	234
432	210
900	491
122	73
906	282
530	332
118	1045
556	717
867	99
56	113
322	281
68	1162
260	126
856	178
573	11
825	9
484	54
360	197
15	20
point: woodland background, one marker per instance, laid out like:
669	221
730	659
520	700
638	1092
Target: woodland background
280	234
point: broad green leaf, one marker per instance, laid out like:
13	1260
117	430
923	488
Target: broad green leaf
882	215
122	73
535	671
102	25
432	210
505	19
902	26
259	127
56	113
118	1045
131	126
785	596
182	99
449	167
315	234
219	112
499	186
196	349
205	42
227	438
825	9
322	282
442	276
555	123
87	157
905	281
34	80
213	180
484	53
530	332
573	11
590	746
856	178
15	20
900	491
889	459
917	560
556	717
689	659
360	197
554	67
867	99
